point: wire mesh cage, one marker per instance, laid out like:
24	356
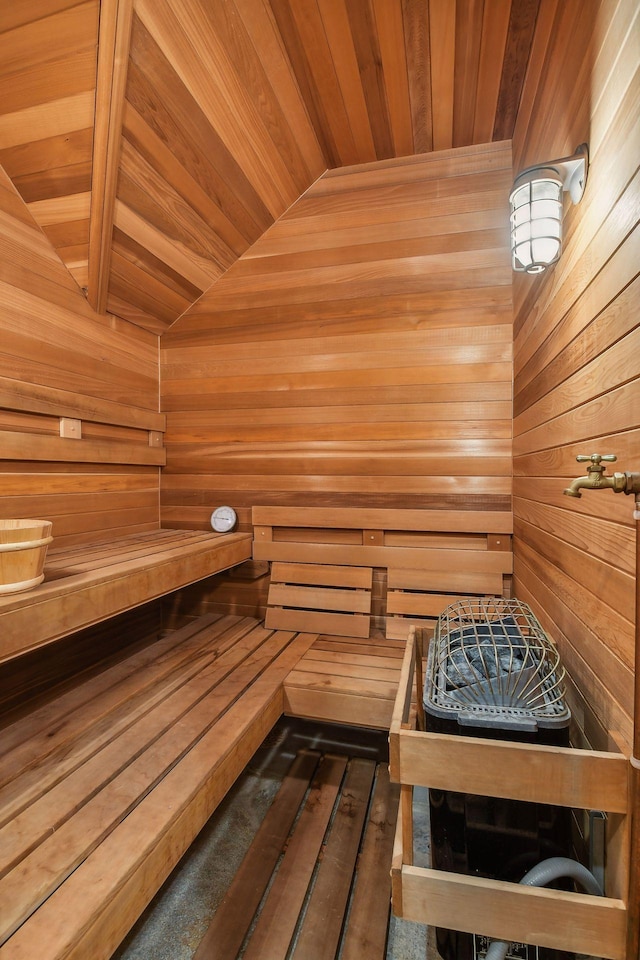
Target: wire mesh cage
490	664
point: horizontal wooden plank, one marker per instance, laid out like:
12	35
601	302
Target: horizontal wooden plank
368	519
325	654
374	647
319	598
323	574
563	920
449	580
463	560
314	621
363	686
338	707
584	779
359	669
398	628
32	446
421	604
37	398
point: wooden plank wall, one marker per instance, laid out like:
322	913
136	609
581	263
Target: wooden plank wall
53	345
358	355
577	346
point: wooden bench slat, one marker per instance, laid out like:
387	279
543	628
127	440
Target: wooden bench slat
466	561
52	725
363	661
278	918
364	710
387	646
108	717
319	934
399	627
339	668
486	521
421	604
354	686
347	625
93	556
449	581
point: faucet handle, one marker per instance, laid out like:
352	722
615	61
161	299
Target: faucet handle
597	458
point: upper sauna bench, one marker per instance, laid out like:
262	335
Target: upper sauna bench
92	582
88	583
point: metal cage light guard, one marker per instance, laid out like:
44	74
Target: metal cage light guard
536	209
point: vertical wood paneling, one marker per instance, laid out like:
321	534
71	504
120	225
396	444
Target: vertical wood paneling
577	351
50	337
442	24
359	354
418	53
469	15
520	36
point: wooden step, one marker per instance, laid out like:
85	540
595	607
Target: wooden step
346	680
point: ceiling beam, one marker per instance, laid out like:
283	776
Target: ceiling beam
113	56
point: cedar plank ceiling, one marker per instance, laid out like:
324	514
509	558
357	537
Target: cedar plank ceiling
154	141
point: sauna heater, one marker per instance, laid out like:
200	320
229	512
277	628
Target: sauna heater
492	672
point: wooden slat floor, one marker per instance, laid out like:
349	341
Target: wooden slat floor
111	779
346	680
322	855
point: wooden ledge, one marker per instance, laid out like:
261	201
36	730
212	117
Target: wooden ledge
88	583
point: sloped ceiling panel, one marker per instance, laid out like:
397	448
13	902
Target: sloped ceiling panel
210	158
229	111
47	95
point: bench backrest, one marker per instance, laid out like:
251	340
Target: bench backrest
420	560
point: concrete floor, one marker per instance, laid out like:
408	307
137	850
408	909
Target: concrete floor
177	919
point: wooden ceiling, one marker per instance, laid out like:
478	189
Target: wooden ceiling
155	141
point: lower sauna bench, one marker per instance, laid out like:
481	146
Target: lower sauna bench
103	788
315	882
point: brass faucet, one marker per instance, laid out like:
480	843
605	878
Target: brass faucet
596	480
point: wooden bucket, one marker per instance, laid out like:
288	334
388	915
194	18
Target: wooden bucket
23	548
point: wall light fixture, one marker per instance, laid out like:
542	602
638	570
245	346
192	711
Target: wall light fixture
536	209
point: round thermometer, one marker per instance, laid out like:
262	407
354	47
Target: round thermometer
223	519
